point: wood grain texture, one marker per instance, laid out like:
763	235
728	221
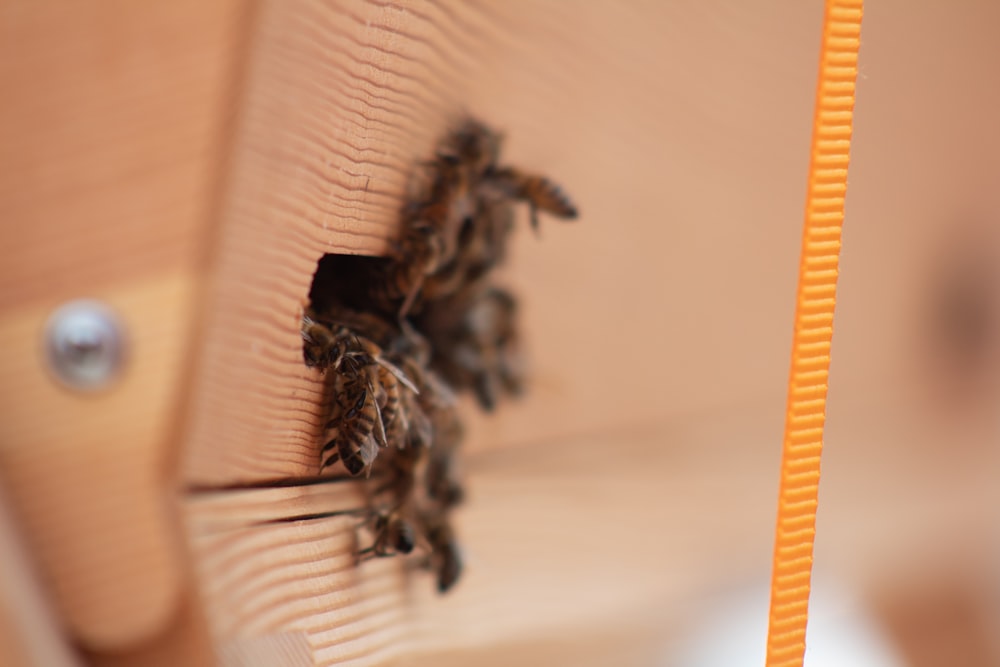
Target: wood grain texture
110	136
620	537
290	649
555	540
107	144
682	131
627	106
265	573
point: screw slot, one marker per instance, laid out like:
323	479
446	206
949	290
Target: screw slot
84	345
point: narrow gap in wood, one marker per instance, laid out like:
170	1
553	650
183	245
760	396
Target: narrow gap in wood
284	482
361	511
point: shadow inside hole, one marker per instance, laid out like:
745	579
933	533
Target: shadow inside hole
341	280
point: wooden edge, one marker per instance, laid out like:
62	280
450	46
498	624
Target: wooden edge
31	634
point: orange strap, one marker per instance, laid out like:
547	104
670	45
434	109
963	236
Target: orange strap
806	412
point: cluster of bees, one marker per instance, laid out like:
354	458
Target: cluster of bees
400	337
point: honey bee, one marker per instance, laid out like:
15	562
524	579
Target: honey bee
328	345
483	236
478	148
420	433
323	347
458	231
356	427
540	193
393	419
430	232
482	245
398	335
394	534
435	433
396	339
412	427
476	343
367	401
399	471
473	145
441	480
509	356
433	397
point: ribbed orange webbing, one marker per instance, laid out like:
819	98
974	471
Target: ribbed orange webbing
806	412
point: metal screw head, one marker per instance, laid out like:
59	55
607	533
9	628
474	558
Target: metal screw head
84	345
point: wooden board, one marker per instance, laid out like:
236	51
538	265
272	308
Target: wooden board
111	132
682	131
623	105
31	633
622	537
539	535
683	134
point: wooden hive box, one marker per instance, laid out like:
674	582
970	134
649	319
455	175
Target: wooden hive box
189	163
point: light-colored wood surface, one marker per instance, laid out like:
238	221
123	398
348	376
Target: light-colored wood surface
190	164
683	134
923	169
620	537
71	459
264	572
31	633
630	108
113	120
290	649
184	640
555	539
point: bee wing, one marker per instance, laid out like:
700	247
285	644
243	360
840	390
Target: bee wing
368	452
421	430
400	425
378	428
440	394
399	374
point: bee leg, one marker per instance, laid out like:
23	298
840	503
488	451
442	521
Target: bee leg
330	460
486	391
379	427
397	372
411	296
446	158
330	445
366	554
533	212
396	248
375	551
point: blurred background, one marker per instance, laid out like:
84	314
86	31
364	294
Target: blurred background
187	164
